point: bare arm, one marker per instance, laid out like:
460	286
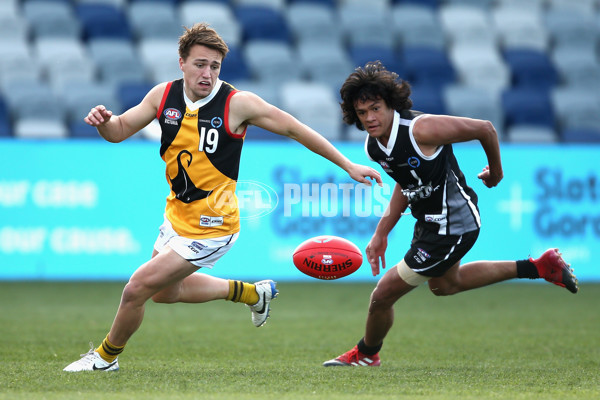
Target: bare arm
116	128
378	243
432	131
249	109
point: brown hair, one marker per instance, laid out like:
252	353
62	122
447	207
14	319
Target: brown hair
203	35
373	82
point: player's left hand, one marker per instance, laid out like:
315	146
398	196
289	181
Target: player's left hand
360	173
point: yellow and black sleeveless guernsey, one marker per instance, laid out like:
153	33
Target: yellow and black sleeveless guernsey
202	159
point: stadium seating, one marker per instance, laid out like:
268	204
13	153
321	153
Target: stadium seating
312	21
262	22
531	68
427	66
315	104
474	102
154	20
51	19
103	20
526	106
478	58
219	15
273	61
415	24
365	23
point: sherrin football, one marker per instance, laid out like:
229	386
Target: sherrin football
327	257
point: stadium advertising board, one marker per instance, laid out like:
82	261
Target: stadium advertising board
91	210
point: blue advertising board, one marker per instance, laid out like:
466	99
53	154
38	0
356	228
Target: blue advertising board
90	210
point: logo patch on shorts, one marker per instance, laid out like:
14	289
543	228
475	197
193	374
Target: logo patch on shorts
196	247
421	256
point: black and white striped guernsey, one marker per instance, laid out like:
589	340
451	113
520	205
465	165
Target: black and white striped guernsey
438	194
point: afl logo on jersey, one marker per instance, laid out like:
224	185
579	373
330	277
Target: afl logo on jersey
216	122
172	113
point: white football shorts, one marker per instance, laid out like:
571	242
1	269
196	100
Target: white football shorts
203	253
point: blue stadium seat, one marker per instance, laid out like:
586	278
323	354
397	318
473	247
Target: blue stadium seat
429	3
360	55
79	129
531	68
428	99
580	135
261	22
427	66
131	93
526	106
5	127
103	20
329	3
256	133
235	66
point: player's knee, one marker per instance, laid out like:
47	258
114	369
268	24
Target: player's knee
134	292
443	288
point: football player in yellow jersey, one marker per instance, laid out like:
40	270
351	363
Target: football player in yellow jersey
203	122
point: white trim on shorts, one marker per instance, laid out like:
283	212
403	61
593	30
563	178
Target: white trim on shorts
409	276
202	253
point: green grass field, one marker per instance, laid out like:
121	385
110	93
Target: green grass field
508	341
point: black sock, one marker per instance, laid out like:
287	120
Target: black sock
526	269
367	350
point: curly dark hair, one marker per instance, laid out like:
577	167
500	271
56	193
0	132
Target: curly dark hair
373	82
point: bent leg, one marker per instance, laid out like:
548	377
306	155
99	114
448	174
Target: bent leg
195	288
381	308
472	275
161	271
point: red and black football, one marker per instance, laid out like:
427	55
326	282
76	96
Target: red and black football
327	257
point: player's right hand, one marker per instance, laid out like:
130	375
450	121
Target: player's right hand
98	115
376	250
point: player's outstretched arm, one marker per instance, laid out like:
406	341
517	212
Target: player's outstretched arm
431	131
249	109
116	128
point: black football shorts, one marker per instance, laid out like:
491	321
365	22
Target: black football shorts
431	254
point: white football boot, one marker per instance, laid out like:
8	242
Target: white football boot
91	361
260	311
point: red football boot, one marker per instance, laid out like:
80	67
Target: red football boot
354	358
553	268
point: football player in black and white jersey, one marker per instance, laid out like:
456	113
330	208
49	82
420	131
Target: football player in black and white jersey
415	149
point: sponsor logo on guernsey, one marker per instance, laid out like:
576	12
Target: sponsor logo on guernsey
437	218
385	166
207	220
172	115
216	122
